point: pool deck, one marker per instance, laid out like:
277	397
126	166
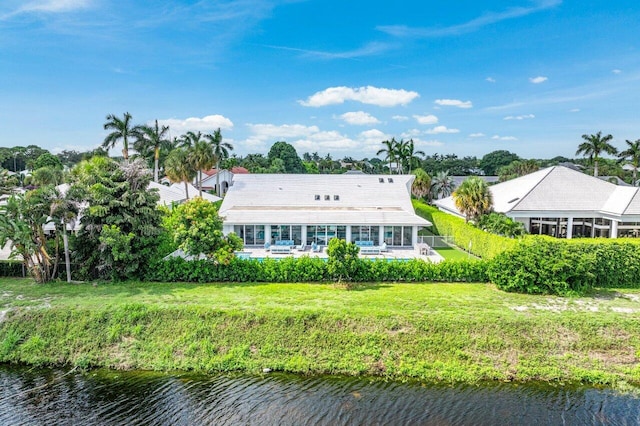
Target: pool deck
391	253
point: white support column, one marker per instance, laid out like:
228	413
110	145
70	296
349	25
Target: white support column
381	235
267	234
414	235
569	227
614	229
303	234
348	234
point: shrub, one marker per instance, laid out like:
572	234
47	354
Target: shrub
10	268
310	269
483	244
544	265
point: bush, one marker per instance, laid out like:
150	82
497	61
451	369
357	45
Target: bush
544	265
10	268
309	269
483	244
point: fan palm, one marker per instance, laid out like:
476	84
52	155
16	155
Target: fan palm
179	169
473	198
593	146
632	153
220	152
442	185
150	140
121	129
421	185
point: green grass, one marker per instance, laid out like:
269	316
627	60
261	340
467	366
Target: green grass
451	332
453	253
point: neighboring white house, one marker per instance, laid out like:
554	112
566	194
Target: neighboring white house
565	203
311	208
210	179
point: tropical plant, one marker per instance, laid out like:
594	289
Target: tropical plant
220	153
202	158
178	168
517	168
501	224
343	261
121	129
63	210
22	221
390	152
150	141
492	161
473	198
120	205
287	153
632	154
47	176
409	157
421	186
8	182
47	160
441	185
198	230
593	146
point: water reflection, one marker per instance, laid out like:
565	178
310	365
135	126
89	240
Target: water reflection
50	396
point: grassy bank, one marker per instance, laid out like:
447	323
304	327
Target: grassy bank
451	332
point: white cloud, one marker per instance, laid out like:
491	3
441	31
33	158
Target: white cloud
359	118
412	133
426	119
420	143
574	110
367	95
208	123
504	138
477	135
537	80
284	131
49	6
616	71
441	129
454	102
400	117
490	79
519	117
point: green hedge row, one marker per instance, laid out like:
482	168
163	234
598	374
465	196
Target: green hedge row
10	268
307	269
483	244
545	265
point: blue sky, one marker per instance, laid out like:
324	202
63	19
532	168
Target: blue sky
464	77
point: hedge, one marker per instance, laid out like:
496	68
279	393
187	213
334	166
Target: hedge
308	269
545	265
483	244
10	268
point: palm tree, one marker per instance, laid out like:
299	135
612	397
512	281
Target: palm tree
179	169
64	210
409	156
220	152
201	157
473	198
593	146
121	130
390	151
422	184
632	153
441	185
188	141
151	140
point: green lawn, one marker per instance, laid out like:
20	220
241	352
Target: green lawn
464	332
453	253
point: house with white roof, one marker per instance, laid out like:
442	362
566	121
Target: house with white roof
565	203
311	209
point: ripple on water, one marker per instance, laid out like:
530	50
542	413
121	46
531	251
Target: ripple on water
104	398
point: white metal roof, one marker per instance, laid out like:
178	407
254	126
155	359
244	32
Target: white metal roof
320	199
559	189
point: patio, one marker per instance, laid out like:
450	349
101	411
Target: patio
390	253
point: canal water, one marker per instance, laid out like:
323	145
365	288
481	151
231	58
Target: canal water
53	396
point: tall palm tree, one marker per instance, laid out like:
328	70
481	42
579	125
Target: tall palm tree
202	158
593	146
220	152
632	153
64	210
188	141
178	168
409	156
121	129
390	151
150	140
473	198
441	185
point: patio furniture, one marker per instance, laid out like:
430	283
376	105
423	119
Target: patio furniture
281	249
369	250
315	248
